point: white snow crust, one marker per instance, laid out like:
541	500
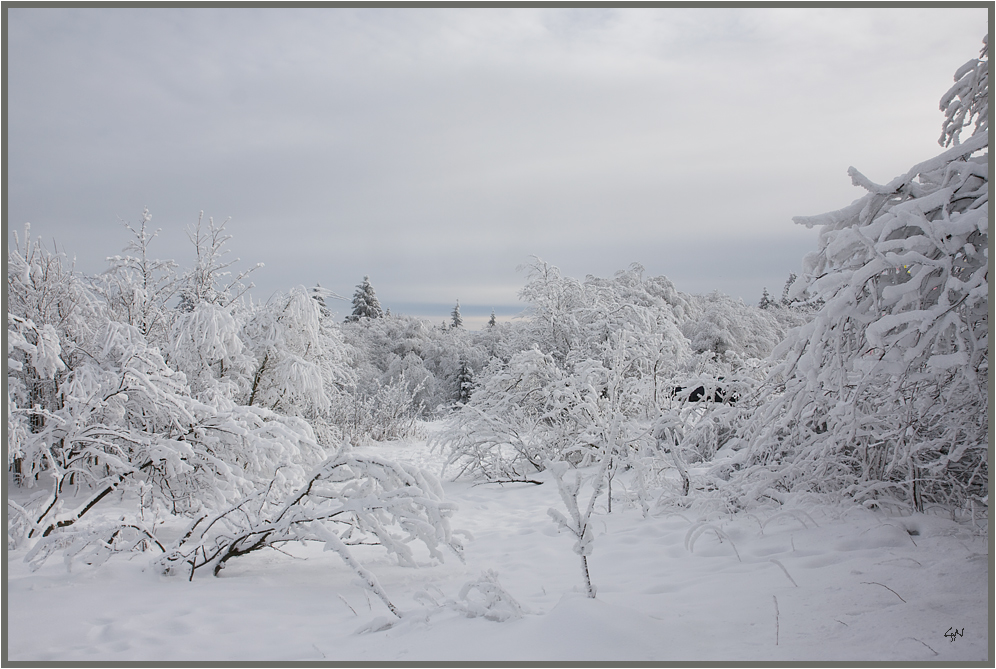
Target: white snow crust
806	582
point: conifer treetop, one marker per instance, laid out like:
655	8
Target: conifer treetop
365	303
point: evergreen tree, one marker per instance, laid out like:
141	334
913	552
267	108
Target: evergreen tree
493	321
365	303
318	294
465	382
766	300
457	320
187	302
785	291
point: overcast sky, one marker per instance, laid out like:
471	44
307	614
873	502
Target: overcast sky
436	150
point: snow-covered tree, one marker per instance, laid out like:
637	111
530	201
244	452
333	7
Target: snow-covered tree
318	295
616	352
51	323
456	320
365	303
33	362
95	407
465	383
884	393
431	357
299	363
137	287
204	341
765	301
968	99
555	303
205	344
209	279
787	288
125	421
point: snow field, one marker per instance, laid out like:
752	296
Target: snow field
849	585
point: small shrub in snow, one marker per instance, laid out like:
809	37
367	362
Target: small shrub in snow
481	598
578	524
486	598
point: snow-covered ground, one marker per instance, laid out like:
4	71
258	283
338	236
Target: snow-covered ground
808	583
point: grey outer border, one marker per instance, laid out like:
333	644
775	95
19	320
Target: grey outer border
421	4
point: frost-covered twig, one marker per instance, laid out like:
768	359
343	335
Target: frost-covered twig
697	530
782	567
886	587
777	630
797	515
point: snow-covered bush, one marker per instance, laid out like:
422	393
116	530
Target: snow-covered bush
299	361
421	384
486	598
609	423
347	500
576	321
613	352
531	412
483	597
205	344
127	421
216	426
380	412
884	393
724	325
705	414
205	341
513	422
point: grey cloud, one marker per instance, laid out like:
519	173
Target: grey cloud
436	149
